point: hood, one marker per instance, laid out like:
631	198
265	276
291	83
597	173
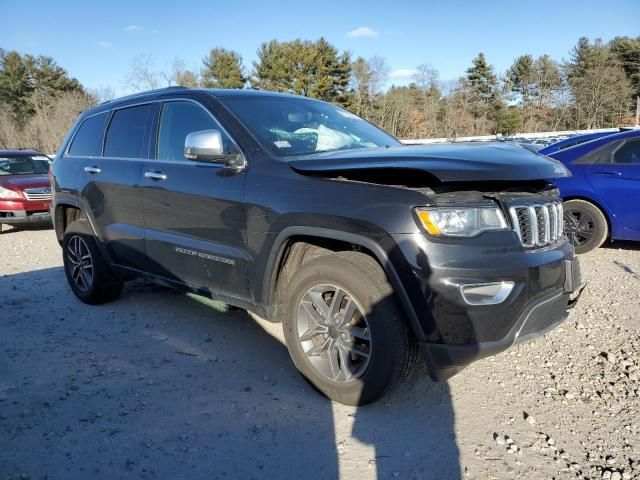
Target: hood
455	162
20	182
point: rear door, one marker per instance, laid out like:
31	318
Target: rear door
617	182
111	182
194	212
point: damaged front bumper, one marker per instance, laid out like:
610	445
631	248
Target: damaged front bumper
542	286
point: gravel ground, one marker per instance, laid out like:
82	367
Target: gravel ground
164	385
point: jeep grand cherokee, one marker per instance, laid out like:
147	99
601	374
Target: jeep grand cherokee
366	250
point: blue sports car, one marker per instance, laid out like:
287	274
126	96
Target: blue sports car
602	198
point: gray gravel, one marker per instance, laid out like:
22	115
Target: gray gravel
164	385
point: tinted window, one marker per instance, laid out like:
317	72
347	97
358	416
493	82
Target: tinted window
629	153
177	121
126	136
88	139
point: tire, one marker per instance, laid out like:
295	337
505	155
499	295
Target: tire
585	224
376	328
88	274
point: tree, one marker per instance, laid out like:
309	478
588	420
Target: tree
482	86
16	85
628	52
313	69
426	80
601	89
223	69
360	87
143	76
367	81
22	75
508	121
533	84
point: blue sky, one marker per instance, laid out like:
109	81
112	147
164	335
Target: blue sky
95	41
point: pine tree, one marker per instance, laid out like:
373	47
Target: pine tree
223	69
628	52
482	86
601	90
23	75
313	69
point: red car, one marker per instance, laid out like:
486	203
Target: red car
25	191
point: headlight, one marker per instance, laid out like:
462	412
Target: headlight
6	193
460	222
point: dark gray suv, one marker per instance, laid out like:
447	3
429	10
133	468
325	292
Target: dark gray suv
366	250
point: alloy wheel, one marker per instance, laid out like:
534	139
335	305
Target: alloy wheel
81	263
334	333
580	226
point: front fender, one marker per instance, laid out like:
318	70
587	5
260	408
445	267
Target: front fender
367	243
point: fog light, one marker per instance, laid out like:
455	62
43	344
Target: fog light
486	293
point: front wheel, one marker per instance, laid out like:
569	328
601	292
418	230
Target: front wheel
585	225
344	330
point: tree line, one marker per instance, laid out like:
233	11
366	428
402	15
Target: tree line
595	87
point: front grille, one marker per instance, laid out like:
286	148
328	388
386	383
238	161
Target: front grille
537	225
37	194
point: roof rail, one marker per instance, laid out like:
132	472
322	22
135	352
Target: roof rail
147	92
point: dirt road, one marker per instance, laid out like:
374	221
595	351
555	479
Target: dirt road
164	385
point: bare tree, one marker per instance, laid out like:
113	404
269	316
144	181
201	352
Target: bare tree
142	76
52	119
378	75
426	79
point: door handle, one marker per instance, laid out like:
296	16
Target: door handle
608	173
155	175
92	170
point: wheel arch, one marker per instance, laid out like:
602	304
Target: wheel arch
284	246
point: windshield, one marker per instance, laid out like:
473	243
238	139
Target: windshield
297	126
24	165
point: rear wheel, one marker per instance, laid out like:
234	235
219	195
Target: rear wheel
585	225
344	329
88	274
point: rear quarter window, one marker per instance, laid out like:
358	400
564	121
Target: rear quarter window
87	142
628	154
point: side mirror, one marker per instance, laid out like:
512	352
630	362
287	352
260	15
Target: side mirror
204	146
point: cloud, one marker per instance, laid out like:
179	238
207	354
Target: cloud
402	73
133	28
362	32
104	44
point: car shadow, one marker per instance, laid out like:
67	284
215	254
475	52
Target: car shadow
621	245
162	384
10	229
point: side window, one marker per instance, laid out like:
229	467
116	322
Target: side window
87	141
629	153
127	133
177	121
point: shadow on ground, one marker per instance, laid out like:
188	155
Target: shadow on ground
161	385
